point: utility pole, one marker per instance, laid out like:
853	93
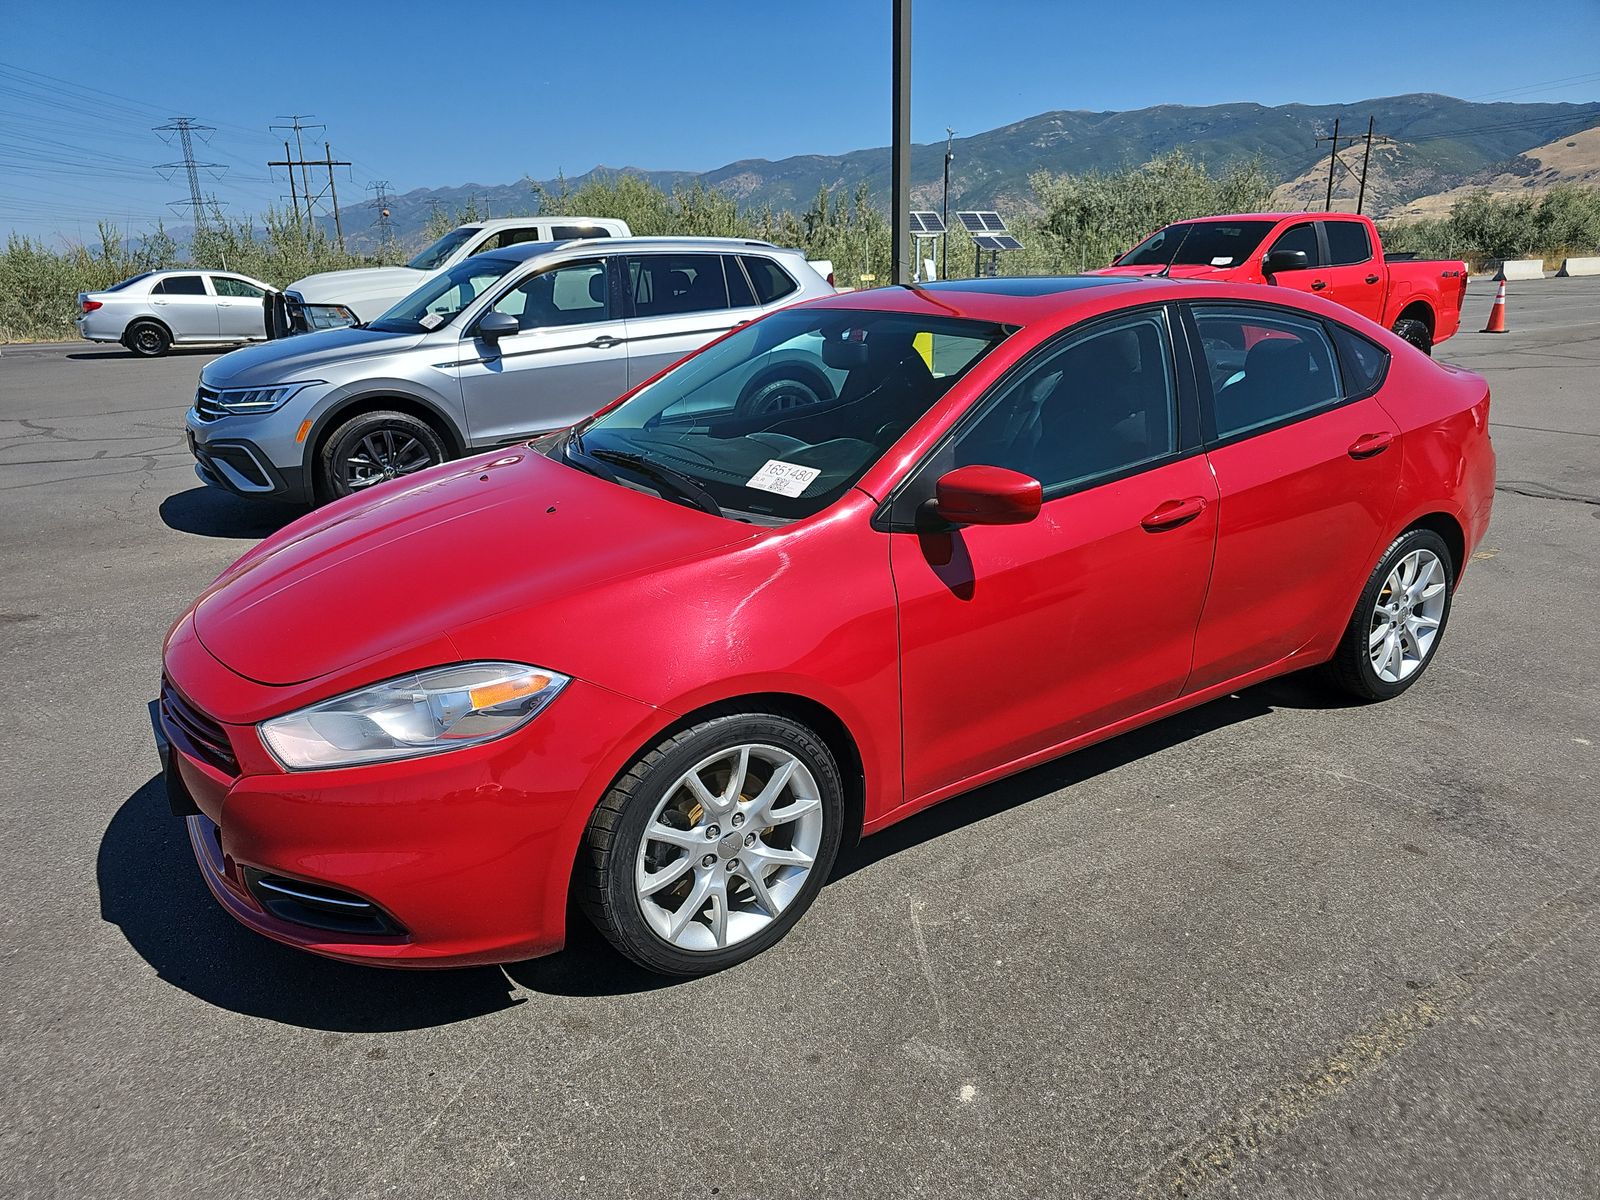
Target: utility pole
185	129
944	245
1366	157
1333	157
294	196
1334	161
333	193
296	127
900	151
305	164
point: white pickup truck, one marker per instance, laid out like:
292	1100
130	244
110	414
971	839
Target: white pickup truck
337	298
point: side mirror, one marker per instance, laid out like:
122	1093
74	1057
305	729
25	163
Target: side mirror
494	326
980	495
1285	260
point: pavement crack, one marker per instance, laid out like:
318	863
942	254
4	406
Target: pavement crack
1544	491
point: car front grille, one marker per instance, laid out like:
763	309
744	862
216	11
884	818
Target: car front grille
195	733
205	404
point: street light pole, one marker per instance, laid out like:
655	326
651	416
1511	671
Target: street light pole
900	153
944	246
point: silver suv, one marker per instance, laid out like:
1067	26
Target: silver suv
503	346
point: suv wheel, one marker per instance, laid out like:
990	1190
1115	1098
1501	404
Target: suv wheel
373	448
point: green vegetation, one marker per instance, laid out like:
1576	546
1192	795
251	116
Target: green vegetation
1481	228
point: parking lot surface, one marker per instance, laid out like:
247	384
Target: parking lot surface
1278	945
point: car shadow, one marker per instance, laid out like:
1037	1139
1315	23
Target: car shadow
151	889
212	512
122	353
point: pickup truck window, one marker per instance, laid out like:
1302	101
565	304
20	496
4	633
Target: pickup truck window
1301	237
562	233
1198	243
1347	243
509	237
435	255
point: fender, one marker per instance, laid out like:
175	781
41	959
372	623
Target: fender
378	390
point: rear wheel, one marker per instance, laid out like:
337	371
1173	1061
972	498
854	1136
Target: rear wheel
1399	619
1416	333
375	447
712	845
147	339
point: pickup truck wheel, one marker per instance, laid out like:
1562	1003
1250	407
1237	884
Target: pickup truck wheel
374	447
147	339
1416	333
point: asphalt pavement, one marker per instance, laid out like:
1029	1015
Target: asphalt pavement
1277	946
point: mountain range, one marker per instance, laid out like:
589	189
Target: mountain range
1435	144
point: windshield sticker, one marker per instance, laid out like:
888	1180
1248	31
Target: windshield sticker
1224	260
430	320
782	478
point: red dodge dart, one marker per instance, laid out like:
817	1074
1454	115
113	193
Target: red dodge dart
853	559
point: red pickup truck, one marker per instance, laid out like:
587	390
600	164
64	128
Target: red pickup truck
1335	255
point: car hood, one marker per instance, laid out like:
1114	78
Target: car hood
300	356
361	283
404	566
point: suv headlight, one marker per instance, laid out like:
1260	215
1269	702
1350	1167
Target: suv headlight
259	400
428	712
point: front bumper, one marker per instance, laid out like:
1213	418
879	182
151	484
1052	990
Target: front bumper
457	859
226	458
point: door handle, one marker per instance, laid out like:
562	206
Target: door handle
1372	279
605	341
1369	444
1318	284
1171	513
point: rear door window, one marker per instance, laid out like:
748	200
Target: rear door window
1267	366
665	285
771	281
180	285
1347	243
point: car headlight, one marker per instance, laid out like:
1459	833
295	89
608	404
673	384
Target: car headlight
428	712
259	400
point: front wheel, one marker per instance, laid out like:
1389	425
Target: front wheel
1416	333
711	846
375	447
1399	619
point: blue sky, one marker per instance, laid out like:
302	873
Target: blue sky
440	94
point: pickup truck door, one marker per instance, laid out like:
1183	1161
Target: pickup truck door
1355	270
1302	235
568	359
187	307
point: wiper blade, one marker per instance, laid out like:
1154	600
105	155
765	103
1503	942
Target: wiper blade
685	487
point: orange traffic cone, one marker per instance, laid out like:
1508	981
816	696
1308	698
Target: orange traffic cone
1497	314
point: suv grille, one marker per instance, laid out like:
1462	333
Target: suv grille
206	406
196	733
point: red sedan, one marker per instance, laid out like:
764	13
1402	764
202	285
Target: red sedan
666	662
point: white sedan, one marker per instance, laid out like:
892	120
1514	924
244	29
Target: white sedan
152	312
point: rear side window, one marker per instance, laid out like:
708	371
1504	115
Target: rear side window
562	233
739	293
1267	366
1301	237
1365	363
1347	243
180	285
771	281
666	285
509	237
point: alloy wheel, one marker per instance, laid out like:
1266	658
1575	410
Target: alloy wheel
1406	616
729	847
385	454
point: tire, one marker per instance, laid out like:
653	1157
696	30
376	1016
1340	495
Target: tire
707	845
1380	626
374	447
1416	333
147	339
778	395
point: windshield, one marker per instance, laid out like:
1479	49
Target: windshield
1198	243
777	421
436	255
440	300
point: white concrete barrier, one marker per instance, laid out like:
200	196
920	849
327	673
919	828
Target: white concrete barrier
1521	268
1579	266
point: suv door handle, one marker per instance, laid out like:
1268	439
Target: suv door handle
1372	278
1318	284
1369	444
605	342
1171	513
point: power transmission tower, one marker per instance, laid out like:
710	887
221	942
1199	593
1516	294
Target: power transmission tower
185	128
1334	161
381	200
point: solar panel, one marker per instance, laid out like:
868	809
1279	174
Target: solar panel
972	222
926	222
990	241
992	223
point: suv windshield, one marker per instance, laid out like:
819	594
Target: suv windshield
777	421
440	300
434	255
1198	243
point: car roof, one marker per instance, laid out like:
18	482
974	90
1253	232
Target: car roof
513	222
523	251
1273	216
